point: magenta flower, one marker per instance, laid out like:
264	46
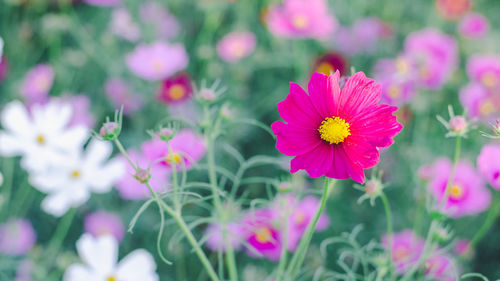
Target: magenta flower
176	89
301	19
215	237
37	84
131	189
406	249
467	194
335	132
165	24
17	237
474	25
236	46
485	70
120	94
331	62
4	68
435	54
441	267
262	235
157	61
488	164
103	223
123	25
103	3
479	103
187	148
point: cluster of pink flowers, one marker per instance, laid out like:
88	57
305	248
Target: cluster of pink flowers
427	62
235	46
262	232
158	156
407	247
481	97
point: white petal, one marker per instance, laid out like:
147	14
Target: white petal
99	253
101	180
56	204
15	118
137	266
48	181
72	139
51	117
97	152
11	145
79	272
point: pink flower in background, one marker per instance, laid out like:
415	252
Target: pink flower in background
130	188
236	46
397	77
37	84
187	148
331	62
4	68
215	238
362	37
474	25
123	25
103	3
488	164
156	14
461	248
478	102
302	213
435	54
17	237
120	94
335	132
467	193
301	19
81	110
485	70
104	223
406	249
157	61
25	270
176	89
261	234
441	267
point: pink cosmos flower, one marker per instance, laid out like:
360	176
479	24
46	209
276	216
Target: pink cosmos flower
485	70
435	54
397	77
175	89
479	102
467	194
103	3
165	24
331	62
473	25
120	94
37	83
441	267
187	148
4	67
130	188
453	9
301	19
103	223
17	237
123	25
262	235
236	46
25	270
81	109
157	61
335	132
461	247
215	238
362	37
488	164
406	249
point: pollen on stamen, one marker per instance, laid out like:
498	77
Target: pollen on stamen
334	130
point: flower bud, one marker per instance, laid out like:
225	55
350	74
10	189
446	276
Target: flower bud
458	124
443	234
284	187
371	187
109	131
142	175
207	95
165	134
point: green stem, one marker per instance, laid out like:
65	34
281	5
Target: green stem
178	219
59	236
388	214
490	219
284	250
230	259
299	256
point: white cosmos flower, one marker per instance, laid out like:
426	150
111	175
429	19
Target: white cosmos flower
40	136
100	262
69	181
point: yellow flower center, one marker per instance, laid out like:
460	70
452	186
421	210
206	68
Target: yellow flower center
263	235
401	252
394	91
489	80
456	191
325	68
75	174
300	21
42	83
157	65
424	72
173	158
238	49
334	130
177	92
299	217
40	139
487	107
402	66
111	278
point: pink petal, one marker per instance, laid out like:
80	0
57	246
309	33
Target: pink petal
317	162
322	90
358	93
298	109
377	124
292	140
